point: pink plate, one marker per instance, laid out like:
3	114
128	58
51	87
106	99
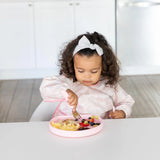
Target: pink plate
75	134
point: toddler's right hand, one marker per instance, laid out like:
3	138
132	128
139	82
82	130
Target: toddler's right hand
72	98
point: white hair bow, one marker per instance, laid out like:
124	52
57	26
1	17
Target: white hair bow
85	43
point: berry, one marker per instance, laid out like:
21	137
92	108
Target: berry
92	123
85	122
83	125
91	120
96	117
92	116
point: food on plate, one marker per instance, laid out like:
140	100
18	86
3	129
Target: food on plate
75	125
68	124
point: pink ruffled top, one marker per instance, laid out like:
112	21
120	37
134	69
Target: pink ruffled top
96	99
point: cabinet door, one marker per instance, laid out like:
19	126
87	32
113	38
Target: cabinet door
96	15
54	27
16	36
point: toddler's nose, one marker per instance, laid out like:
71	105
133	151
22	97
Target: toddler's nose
87	75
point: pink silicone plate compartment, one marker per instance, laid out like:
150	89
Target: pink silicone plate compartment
74	134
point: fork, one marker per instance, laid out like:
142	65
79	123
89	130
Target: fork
75	114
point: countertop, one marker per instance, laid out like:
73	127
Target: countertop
121	139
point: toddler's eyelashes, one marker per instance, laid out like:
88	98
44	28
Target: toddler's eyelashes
94	71
80	71
91	71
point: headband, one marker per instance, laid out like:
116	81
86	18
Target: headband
85	43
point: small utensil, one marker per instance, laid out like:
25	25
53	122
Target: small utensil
76	115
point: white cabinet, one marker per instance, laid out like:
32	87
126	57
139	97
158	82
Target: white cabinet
53	26
16	36
58	22
32	34
97	16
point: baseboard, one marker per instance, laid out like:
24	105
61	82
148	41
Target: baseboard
6	74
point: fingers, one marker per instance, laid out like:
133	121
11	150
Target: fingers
72	101
72	98
118	114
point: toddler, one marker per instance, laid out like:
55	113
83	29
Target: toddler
88	81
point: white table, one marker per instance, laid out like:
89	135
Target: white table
125	139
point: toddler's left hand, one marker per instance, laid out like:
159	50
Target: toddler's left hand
118	114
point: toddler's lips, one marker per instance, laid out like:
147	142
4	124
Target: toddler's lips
87	82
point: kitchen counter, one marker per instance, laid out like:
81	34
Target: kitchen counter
120	139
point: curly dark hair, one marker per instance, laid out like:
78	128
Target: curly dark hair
110	66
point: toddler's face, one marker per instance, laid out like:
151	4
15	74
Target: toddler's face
88	69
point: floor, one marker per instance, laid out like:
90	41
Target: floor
19	98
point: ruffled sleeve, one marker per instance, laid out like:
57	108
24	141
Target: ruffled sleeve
123	101
54	88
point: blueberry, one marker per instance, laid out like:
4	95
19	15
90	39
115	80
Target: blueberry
89	117
92	123
97	123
